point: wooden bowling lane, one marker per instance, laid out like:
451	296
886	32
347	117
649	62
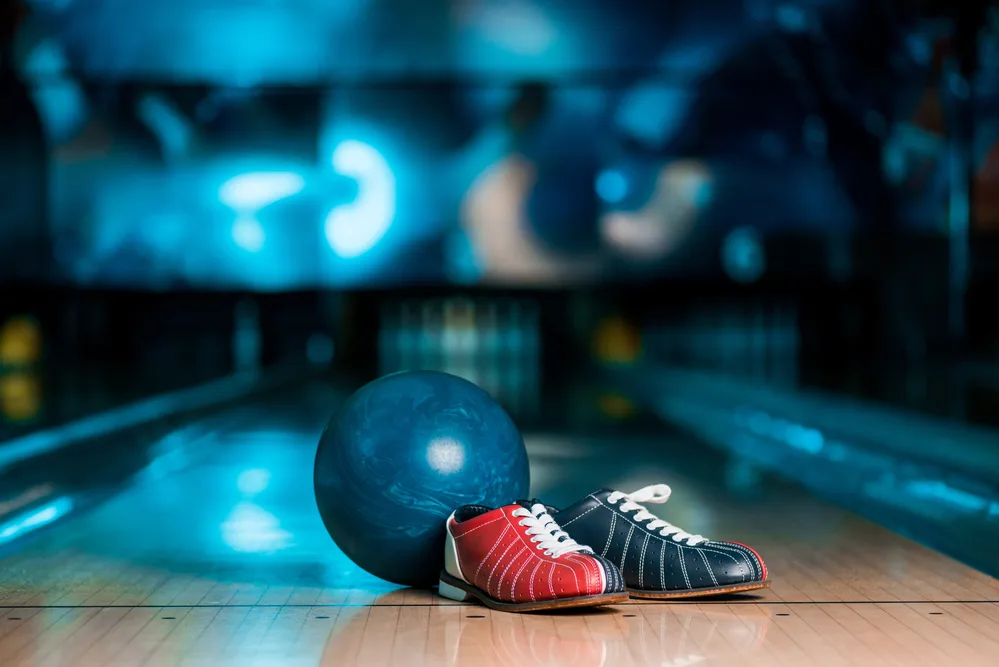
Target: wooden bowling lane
636	635
224	561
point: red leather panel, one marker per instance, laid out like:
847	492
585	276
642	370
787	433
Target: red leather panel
497	556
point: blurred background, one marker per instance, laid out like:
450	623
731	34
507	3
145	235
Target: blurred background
772	222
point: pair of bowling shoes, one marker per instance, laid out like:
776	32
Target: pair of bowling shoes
530	557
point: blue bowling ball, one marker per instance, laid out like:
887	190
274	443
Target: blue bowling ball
402	453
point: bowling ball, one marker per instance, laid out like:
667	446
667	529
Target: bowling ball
401	454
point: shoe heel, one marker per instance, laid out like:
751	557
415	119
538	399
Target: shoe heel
453	592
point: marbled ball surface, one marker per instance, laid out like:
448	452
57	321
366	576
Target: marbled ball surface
401	454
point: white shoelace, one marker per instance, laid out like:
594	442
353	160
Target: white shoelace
657	494
546	532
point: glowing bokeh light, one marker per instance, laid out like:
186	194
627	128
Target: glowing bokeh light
251	192
355	228
35	519
743	255
617	341
250	528
20	341
20	396
683	189
248	234
612	186
60	99
253	482
616	406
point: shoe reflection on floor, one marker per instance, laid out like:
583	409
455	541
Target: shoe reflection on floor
653	634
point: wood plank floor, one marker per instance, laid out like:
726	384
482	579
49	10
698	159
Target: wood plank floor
221	560
633	634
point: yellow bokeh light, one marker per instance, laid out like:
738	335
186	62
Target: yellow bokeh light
20	395
616	406
617	341
20	342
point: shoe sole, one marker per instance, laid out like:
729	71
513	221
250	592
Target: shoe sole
456	589
697	592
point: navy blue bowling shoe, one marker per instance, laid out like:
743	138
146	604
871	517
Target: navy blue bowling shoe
659	560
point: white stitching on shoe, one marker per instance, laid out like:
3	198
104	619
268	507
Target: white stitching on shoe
575	578
655	494
586	561
746	553
489	581
711	572
610	534
585	569
632	523
663	542
627	543
641	563
644	529
662	565
499	584
683	566
516	578
742	570
500	518
534	573
483	561
604	581
551	574
580	516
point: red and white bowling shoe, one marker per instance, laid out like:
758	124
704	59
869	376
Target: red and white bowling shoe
516	558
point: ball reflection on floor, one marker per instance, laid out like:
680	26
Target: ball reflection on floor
250	528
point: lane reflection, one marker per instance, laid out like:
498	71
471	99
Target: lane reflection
229	501
628	635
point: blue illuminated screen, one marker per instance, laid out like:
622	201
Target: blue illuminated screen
298	144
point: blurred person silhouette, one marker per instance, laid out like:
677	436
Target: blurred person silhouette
530	216
500	224
786	130
792	131
23	162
